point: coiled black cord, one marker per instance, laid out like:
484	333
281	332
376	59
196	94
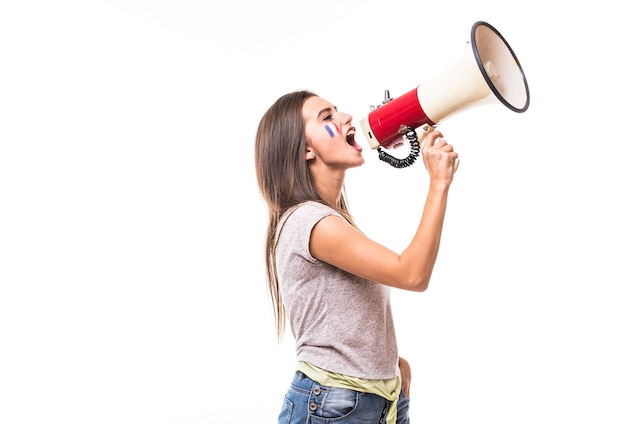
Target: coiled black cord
411	136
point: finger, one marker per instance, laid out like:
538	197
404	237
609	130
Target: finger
433	137
445	147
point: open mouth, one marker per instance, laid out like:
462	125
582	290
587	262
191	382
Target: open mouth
350	137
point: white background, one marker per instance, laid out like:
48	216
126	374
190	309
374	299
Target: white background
132	287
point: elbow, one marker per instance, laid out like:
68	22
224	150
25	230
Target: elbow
413	276
418	284
421	287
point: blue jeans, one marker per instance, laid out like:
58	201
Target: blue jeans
308	402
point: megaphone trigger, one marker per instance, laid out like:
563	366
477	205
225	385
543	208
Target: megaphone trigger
423	131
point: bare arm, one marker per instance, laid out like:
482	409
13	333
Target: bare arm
338	243
405	376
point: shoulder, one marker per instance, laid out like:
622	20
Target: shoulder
302	218
294	231
312	211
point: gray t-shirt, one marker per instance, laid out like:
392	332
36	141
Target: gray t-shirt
340	322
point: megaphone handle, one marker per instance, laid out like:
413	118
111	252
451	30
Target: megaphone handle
422	131
421	134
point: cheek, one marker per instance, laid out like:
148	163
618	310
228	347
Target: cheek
332	129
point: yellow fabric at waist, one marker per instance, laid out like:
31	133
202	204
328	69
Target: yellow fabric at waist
386	388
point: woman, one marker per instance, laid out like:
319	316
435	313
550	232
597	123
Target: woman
326	278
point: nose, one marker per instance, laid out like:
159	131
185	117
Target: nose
346	118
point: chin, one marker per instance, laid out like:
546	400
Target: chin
357	164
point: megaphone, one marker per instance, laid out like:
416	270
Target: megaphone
488	71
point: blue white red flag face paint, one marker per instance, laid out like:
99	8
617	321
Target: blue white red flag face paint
332	129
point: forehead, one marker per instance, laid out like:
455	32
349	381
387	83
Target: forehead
313	106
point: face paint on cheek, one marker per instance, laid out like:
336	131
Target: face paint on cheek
332	129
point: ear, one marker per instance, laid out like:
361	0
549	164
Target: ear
310	154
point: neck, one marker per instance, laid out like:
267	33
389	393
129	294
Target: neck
330	184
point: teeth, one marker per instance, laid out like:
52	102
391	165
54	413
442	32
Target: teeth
351	132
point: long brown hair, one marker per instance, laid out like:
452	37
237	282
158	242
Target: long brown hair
284	179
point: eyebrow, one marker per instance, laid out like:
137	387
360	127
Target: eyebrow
325	110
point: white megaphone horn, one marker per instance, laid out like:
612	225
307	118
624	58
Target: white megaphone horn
488	71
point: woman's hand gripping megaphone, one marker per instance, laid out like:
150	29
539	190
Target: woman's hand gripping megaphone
439	156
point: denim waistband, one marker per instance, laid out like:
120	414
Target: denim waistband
302	381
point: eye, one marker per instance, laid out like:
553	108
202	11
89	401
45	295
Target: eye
328	118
